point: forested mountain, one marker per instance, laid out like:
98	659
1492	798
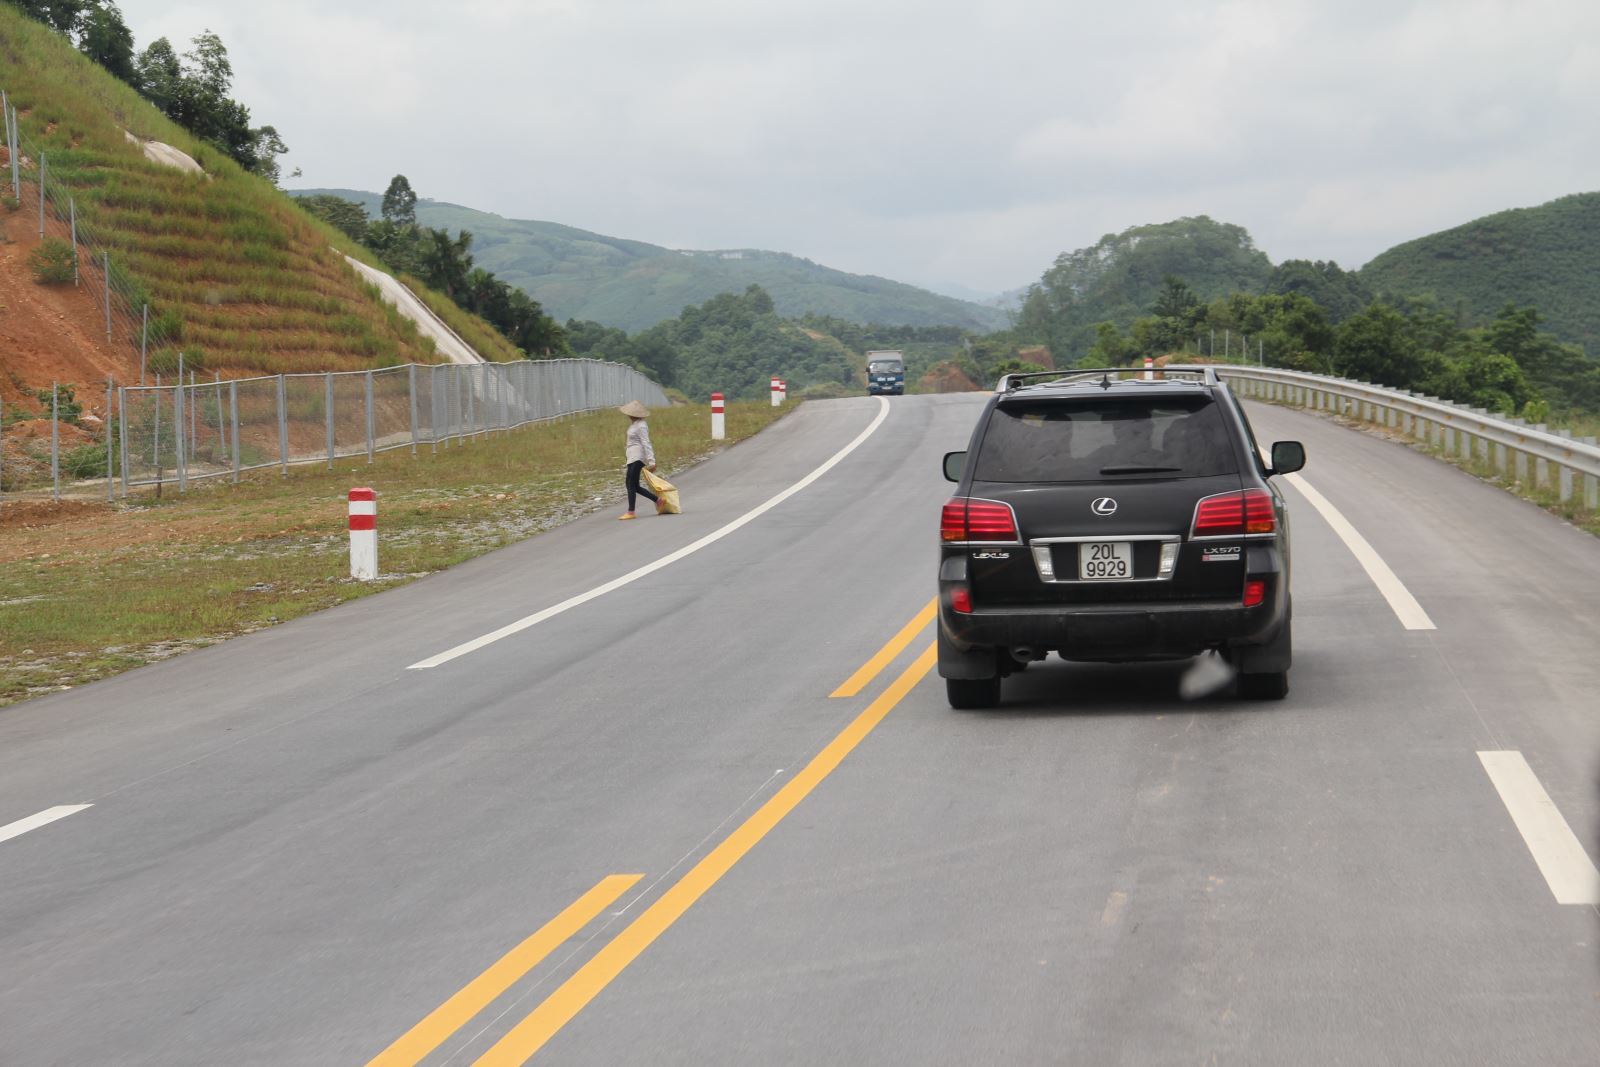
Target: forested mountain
1547	256
632	285
732	343
1118	278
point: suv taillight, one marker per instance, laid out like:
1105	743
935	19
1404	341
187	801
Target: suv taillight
1234	515
965	519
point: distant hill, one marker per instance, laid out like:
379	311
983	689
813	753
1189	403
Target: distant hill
1118	278
633	285
1548	256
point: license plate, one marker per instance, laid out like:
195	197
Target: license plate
1105	560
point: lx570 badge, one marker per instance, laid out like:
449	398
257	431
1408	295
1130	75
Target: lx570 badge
1226	554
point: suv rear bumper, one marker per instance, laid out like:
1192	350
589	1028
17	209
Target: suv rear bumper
1113	631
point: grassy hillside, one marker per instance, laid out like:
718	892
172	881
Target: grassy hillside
1547	256
247	281
632	285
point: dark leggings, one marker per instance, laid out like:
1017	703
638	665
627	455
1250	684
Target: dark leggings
634	488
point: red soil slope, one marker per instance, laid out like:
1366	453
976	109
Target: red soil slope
51	332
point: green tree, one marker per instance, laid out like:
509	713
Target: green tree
347	216
1378	346
160	74
105	38
61	15
400	202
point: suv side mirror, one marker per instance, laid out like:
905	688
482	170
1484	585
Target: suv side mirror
1287	456
955	464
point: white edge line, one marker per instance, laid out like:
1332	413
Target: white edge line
43	818
650	568
1566	867
1405	606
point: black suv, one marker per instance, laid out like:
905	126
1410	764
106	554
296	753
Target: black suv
1112	517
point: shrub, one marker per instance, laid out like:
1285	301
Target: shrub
87	461
52	262
9	202
68	406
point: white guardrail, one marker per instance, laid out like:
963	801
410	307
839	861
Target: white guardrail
1529	453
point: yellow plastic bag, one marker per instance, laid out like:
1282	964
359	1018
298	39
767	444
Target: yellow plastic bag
665	491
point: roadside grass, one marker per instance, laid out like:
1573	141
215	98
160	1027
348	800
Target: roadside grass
90	590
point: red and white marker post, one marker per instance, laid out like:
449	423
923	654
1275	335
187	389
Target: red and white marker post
1149	368
777	391
363	534
718	430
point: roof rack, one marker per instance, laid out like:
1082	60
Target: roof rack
1105	377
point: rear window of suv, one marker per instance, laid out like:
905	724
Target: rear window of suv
1085	440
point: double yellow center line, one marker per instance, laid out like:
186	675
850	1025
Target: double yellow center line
531	1034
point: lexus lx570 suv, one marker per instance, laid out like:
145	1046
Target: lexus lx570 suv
1114	515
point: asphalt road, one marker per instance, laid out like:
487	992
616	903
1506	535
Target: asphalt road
302	852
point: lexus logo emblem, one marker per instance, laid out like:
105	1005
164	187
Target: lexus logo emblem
1104	506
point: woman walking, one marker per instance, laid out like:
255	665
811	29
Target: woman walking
639	455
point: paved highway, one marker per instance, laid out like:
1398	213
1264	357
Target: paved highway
642	830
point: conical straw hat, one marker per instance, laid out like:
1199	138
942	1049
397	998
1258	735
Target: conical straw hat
635	410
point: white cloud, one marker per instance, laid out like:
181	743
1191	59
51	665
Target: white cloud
931	139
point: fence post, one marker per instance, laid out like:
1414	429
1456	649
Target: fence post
233	419
111	454
2	448
368	384
122	425
42	167
16	137
72	213
411	387
434	407
180	429
107	262
144	341
155	437
327	379
283	426
55	444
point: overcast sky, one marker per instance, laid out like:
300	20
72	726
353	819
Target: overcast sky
945	144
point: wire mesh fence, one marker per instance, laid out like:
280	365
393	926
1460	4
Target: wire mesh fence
45	202
194	429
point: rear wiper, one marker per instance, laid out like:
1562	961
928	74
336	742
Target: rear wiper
1132	469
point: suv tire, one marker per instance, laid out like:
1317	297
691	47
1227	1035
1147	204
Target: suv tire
971	694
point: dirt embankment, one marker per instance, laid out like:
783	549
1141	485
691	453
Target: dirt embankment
50	332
